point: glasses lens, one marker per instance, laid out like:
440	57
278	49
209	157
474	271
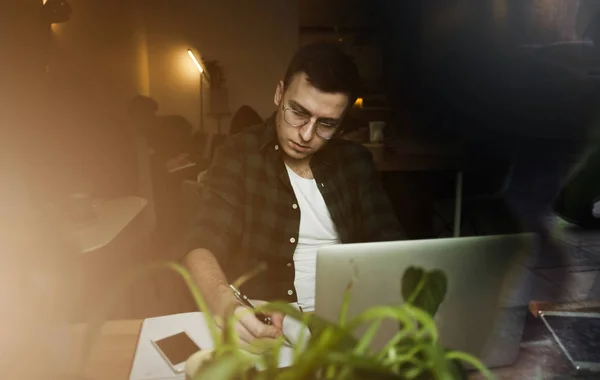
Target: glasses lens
325	132
294	119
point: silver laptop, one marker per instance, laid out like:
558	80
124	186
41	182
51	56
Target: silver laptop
484	310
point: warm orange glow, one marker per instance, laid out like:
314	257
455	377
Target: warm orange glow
196	62
141	57
358	103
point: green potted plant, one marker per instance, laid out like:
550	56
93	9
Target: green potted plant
332	351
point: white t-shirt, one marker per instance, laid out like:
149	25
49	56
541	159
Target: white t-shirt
316	230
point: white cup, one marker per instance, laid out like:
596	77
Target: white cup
376	131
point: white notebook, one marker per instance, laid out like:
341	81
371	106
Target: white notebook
149	365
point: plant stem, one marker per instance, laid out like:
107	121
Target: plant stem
345	305
461	356
417	289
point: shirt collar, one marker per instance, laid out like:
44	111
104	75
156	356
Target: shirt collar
269	144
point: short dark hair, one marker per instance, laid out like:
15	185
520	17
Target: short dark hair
328	69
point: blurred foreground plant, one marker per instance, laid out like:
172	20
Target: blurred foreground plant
332	351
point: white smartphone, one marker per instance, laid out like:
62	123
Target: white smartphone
176	349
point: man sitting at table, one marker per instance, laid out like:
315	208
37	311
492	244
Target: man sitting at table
278	191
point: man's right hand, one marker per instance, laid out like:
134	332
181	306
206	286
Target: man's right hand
211	281
255	335
249	328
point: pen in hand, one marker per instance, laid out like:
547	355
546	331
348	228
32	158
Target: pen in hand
246	302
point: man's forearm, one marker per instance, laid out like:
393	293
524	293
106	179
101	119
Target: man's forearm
211	280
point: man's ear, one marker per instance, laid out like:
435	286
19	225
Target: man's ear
278	93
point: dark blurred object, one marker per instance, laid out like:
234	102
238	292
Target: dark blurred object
142	106
519	95
142	116
215	73
170	135
56	11
575	202
244	117
217	140
199	146
592	32
171	139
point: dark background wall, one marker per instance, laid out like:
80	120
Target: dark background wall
468	67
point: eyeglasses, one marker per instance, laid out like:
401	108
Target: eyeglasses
298	119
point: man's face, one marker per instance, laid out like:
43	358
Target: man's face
305	101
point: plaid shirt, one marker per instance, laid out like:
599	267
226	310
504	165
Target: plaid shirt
249	213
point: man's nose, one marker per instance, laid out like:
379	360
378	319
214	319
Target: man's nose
307	131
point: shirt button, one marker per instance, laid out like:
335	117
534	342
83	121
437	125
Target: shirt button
292	240
290	292
322	184
276	147
294	206
289	265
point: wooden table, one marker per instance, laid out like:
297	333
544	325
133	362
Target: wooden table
113	353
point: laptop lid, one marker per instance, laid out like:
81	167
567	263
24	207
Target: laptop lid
483	274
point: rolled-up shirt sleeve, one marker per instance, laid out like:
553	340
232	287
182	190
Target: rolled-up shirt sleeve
217	224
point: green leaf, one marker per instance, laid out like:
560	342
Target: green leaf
316	325
226	367
424	289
